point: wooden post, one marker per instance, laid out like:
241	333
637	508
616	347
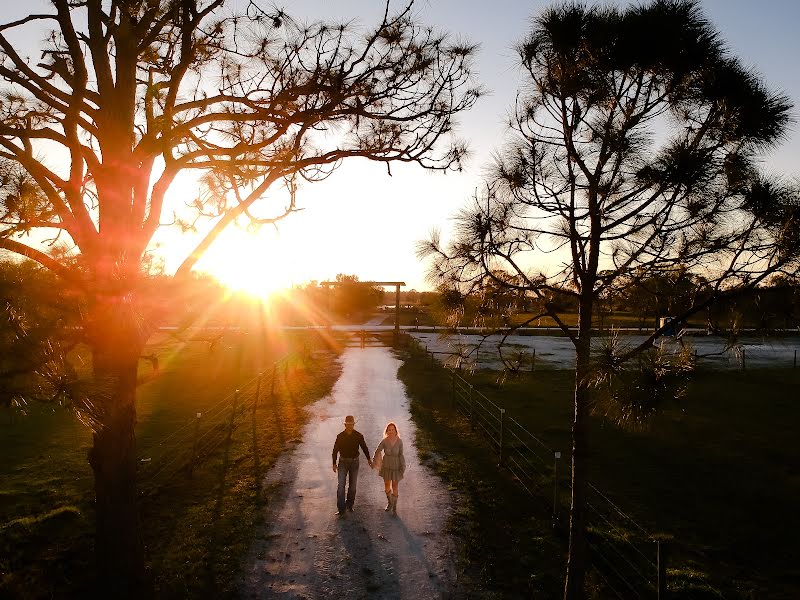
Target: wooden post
533	361
471	410
258	393
744	363
233	413
502	435
453	402
662	570
329	302
396	313
274	376
194	443
795	359
556	456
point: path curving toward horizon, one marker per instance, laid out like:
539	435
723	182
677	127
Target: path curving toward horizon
305	551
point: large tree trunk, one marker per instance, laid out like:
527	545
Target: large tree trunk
577	559
116	347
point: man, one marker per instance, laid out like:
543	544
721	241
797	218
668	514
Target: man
346	447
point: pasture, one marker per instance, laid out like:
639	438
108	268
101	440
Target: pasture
196	529
715	475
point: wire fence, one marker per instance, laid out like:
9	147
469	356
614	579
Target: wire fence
628	559
558	353
194	442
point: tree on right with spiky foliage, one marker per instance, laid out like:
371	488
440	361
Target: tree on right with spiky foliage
632	152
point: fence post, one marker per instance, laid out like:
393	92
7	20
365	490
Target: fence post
795	359
274	376
662	570
453	403
258	393
194	443
744	364
233	413
533	361
502	435
556	456
471	410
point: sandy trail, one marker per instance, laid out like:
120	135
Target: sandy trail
305	551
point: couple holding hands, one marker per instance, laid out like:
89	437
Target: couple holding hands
388	461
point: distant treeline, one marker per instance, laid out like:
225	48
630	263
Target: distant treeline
29	301
641	302
32	294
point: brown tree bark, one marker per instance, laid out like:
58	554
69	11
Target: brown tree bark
116	347
577	559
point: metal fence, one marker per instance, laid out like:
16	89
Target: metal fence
197	439
628	559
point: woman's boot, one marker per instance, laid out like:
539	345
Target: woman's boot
388	501
394	504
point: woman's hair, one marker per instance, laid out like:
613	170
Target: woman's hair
386	430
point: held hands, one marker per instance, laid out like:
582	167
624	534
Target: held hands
368	460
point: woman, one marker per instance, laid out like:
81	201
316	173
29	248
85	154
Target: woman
393	464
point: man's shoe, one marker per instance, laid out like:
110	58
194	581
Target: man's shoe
350	508
340	513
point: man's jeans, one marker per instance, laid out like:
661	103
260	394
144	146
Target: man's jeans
348	467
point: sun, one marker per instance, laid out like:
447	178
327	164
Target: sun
249	263
243	277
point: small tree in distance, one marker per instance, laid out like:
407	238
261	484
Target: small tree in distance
631	153
351	297
126	95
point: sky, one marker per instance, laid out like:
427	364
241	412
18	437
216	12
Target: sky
362	221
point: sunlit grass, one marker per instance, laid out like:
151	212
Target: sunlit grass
196	530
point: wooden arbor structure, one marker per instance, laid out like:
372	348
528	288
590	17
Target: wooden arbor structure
397	285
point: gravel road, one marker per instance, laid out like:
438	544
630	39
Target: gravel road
305	551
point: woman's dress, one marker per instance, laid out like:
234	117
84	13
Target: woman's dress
394	463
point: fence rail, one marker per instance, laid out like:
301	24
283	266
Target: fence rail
194	442
628	559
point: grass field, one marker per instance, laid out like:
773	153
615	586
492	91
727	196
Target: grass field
719	476
196	530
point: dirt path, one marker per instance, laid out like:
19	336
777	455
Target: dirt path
307	552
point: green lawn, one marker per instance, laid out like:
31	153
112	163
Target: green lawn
196	530
718	475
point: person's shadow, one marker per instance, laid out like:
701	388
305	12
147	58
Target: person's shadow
383	576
